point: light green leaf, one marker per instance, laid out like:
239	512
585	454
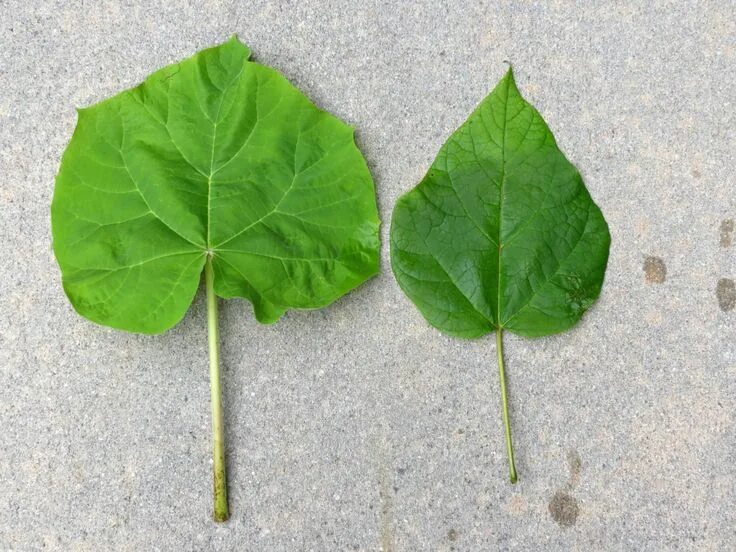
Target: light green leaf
220	155
501	234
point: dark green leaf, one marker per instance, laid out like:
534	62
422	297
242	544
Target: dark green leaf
501	233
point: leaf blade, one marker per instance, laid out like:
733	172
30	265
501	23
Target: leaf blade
507	218
198	160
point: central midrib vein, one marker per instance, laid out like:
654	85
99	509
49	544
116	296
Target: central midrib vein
500	202
212	166
215	122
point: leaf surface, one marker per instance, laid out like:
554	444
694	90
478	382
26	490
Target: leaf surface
501	233
213	155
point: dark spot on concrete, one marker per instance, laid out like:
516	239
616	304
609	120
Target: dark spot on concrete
726	233
655	271
564	509
726	294
696	173
576	465
452	534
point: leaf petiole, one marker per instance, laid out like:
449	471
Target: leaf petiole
504	405
218	440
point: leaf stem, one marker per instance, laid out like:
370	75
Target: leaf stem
218	440
504	405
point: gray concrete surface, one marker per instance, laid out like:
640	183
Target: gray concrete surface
359	427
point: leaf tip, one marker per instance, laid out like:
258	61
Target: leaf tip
235	40
510	72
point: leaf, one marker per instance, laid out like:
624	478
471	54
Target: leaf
214	163
220	155
501	233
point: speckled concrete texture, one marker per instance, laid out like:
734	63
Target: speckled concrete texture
359	427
